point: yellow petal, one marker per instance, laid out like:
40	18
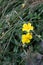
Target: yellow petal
29	24
24	25
29	35
23	39
28	41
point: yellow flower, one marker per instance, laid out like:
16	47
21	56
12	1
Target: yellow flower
27	27
26	38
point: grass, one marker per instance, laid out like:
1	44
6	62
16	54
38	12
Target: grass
12	16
